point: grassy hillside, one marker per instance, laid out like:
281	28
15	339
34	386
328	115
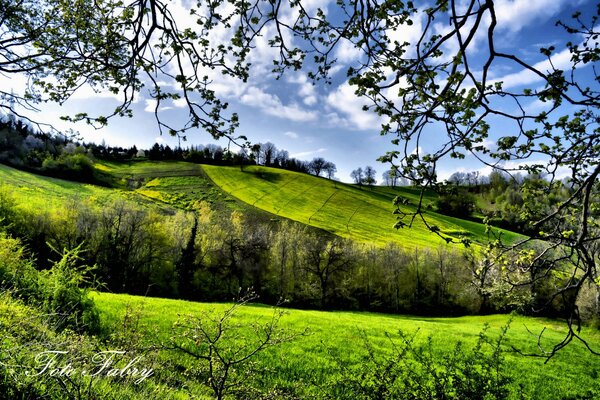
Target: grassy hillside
361	214
308	359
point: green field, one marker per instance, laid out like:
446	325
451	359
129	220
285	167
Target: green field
308	359
360	214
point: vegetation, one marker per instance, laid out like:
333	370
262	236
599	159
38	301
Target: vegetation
339	208
340	345
121	46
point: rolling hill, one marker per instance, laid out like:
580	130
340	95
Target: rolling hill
358	213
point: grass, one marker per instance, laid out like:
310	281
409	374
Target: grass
349	211
38	192
360	214
308	361
173	183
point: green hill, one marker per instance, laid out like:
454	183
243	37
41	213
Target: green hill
350	211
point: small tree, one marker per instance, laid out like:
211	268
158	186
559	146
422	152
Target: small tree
225	346
317	165
330	169
357	175
370	174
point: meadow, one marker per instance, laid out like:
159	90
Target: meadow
310	363
359	213
314	364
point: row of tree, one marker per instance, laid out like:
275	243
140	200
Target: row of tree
62	156
364	176
209	254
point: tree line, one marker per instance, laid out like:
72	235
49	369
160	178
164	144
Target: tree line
63	156
208	254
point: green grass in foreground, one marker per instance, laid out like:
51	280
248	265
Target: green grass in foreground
361	214
307	360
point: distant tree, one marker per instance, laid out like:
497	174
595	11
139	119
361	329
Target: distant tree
498	179
168	153
255	153
457	202
330	169
386	177
132	152
472	178
317	165
155	152
268	152
370	174
357	175
283	158
457	178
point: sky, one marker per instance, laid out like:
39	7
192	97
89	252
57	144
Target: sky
318	120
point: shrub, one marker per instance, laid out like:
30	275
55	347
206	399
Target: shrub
58	291
457	203
409	371
64	295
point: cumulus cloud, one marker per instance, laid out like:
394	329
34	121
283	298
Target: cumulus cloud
348	110
560	60
291	135
151	106
514	15
271	104
306	91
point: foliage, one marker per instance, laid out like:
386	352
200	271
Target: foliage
225	349
412	371
437	81
309	366
77	167
455	202
65	292
59	291
143	249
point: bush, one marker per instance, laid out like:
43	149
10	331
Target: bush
407	371
456	203
57	291
17	273
77	167
64	295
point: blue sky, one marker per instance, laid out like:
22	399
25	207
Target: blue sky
323	120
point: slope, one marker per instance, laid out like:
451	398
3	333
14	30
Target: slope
349	211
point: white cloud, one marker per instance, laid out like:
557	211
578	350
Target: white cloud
417	151
291	135
310	153
151	106
306	91
344	101
514	15
346	52
560	60
272	105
